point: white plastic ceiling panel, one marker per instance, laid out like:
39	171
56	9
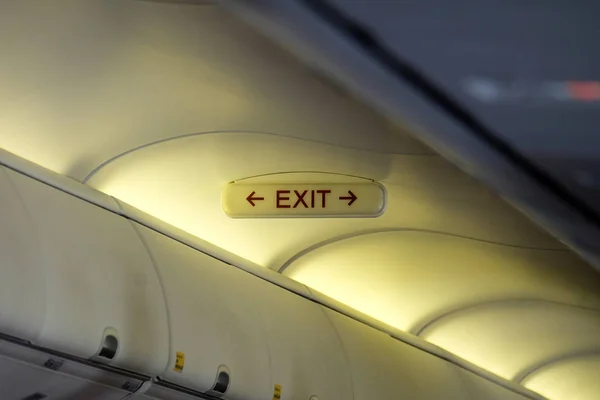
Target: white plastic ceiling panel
91	80
181	182
163	104
582	384
410	278
513	338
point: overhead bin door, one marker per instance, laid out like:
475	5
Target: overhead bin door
385	368
218	341
32	374
307	356
102	296
479	388
22	381
22	274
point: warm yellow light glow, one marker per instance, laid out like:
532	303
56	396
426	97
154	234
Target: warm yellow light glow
509	337
572	379
406	278
402	277
181	182
80	94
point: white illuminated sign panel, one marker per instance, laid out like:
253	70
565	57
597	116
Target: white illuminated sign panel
244	200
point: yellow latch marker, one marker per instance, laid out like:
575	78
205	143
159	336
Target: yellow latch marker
277	392
179	361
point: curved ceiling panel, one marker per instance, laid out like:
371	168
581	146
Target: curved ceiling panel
513	338
180	181
162	105
90	80
409	278
573	379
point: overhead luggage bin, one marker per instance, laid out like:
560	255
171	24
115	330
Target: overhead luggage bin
31	373
156	392
22	287
478	388
384	367
549	379
44	383
547	331
218	344
102	297
62	182
210	249
307	357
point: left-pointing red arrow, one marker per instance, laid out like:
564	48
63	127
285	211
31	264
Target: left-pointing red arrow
251	199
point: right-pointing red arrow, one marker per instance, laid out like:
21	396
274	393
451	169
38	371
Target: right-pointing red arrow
251	199
352	197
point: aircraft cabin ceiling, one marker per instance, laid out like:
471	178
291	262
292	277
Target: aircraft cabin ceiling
164	104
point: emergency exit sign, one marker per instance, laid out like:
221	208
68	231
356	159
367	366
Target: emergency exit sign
244	200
